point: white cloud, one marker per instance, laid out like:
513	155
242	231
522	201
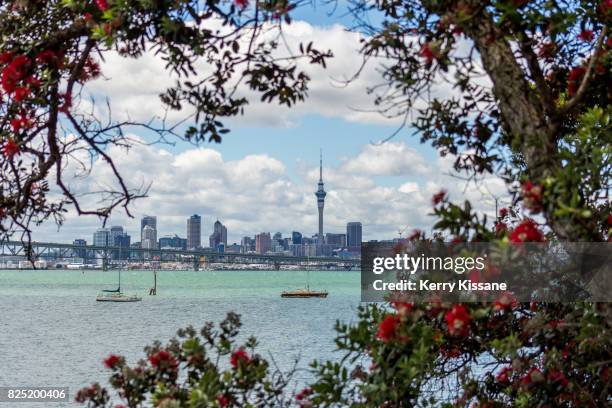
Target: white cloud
387	159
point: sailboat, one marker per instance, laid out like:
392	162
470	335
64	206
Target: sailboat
115	295
305	292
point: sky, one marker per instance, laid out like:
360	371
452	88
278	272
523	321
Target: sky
263	176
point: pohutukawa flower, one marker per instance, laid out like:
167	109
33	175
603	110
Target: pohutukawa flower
163	360
242	4
21	94
387	328
222	400
526	231
438	197
6	57
533	376
586	35
532	196
427	53
558	378
11	148
102	5
505	302
239	357
573	79
403	308
503	213
458	321
503	377
112	361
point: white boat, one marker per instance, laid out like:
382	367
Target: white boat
115	295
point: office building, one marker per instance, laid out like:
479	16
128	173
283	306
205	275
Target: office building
219	235
174	242
263	243
148	221
149	237
335	240
80	252
101	237
353	236
194	232
296	238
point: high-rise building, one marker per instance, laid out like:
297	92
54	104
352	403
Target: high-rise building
296	238
115	232
335	240
149	237
263	243
149	221
320	193
219	235
101	237
247	244
194	232
174	242
353	236
81	252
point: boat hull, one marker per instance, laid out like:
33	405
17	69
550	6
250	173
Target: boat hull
117	298
301	294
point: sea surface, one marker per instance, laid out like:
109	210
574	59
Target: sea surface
54	333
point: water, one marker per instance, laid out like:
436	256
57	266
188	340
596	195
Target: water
54	333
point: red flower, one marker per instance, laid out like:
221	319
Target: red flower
239	357
14	73
526	231
500	227
49	57
427	53
112	361
503	376
547	50
222	400
458	321
163	359
573	79
586	35
503	213
67	104
387	328
10	148
6	57
102	4
403	308
605	6
241	3
438	197
532	196
21	94
610	219
533	376
557	377
505	302
302	395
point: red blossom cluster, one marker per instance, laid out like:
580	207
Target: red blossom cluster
586	36
112	361
438	197
10	148
302	397
573	80
242	4
387	329
163	360
505	302
458	321
239	357
222	400
428	53
503	377
102	5
526	231
532	196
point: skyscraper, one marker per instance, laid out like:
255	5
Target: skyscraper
219	235
194	232
296	238
353	236
263	243
115	232
149	237
320	193
148	221
101	237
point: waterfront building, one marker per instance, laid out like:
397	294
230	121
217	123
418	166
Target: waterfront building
148	221
194	232
320	193
335	240
263	243
149	237
173	242
101	237
277	236
296	238
219	235
115	231
353	236
81	252
247	244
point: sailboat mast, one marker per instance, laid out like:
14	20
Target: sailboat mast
119	289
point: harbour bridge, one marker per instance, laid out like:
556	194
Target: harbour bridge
108	256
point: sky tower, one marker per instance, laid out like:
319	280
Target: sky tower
320	193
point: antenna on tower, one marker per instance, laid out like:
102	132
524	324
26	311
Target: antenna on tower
321	165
